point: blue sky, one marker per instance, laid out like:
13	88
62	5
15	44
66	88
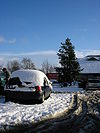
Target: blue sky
37	27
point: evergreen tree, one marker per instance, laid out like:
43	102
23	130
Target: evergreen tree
70	67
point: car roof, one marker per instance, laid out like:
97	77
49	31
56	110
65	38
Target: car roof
34	76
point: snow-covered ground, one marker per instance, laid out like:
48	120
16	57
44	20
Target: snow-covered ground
67	89
14	113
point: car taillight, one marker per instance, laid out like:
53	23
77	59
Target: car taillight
38	88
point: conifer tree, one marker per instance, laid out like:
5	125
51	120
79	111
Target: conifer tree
70	67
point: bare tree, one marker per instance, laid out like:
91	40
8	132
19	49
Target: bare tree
13	65
27	63
47	68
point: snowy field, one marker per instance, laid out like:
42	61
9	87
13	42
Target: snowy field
67	89
14	113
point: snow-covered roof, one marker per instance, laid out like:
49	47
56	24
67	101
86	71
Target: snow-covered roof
34	76
89	66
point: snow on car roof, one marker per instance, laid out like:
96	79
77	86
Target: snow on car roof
34	76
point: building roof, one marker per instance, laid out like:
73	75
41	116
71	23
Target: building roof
90	66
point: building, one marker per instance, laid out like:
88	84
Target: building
52	76
90	66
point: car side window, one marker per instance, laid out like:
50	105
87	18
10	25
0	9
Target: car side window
45	82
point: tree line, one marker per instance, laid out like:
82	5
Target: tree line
27	63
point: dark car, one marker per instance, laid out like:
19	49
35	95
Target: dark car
28	85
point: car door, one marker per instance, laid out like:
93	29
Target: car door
47	89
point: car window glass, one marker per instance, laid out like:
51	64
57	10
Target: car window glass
45	82
15	81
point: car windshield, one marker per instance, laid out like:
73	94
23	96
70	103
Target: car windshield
14	81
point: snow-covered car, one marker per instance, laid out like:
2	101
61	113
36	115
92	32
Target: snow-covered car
28	85
93	84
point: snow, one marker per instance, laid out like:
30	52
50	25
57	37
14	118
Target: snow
67	89
89	66
14	113
34	76
24	89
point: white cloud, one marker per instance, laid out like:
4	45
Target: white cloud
40	53
83	53
2	61
2	39
50	52
12	41
39	56
79	53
